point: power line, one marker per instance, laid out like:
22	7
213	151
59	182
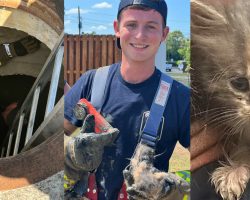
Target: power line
79	21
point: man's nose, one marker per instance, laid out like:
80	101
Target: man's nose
140	32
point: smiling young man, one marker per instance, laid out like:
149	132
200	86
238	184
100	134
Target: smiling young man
140	32
129	93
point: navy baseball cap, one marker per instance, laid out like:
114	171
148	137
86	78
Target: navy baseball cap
158	5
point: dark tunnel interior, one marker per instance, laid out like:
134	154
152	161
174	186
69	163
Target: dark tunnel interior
15	88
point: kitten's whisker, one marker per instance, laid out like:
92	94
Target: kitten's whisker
237	127
217	110
222	112
221	115
220	108
219	121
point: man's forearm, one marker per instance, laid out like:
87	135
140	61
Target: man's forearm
205	145
208	156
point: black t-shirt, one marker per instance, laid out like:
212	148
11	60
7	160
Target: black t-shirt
127	105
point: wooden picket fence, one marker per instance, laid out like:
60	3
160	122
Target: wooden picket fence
85	52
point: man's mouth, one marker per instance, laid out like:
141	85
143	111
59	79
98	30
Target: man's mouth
139	46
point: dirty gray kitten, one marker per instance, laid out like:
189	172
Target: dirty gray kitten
146	182
221	85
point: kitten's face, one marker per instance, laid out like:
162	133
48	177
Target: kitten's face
220	58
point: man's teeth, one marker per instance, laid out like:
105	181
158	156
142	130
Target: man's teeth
139	45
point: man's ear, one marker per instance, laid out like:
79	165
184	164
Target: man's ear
165	33
116	28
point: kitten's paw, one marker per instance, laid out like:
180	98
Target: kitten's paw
230	181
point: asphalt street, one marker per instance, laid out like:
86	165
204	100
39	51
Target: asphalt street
178	75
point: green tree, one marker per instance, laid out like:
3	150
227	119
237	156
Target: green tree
184	51
92	33
174	43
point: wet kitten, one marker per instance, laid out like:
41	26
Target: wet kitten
221	84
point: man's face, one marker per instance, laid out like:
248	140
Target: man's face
140	33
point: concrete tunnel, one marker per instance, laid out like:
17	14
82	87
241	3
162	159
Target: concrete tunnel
42	19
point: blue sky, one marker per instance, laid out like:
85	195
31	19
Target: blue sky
98	16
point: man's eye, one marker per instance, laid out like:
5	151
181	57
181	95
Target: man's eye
151	27
131	25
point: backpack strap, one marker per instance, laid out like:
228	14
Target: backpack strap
98	87
150	132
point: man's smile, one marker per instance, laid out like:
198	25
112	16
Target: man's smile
139	46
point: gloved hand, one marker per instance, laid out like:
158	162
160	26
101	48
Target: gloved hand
76	191
145	182
84	151
21	47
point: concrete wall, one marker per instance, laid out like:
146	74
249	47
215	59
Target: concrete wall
48	189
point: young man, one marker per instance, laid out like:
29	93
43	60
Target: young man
130	89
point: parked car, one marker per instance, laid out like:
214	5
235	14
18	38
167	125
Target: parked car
168	67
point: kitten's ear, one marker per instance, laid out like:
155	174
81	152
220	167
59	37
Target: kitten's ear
207	13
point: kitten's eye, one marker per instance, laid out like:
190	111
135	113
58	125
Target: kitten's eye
240	84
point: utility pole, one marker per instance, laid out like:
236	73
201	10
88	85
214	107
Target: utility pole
79	21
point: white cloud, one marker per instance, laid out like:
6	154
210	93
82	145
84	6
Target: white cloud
99	28
102	5
75	11
68	30
67	22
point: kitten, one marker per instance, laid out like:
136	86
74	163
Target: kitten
220	79
150	183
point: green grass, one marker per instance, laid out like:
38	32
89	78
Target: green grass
180	160
181	77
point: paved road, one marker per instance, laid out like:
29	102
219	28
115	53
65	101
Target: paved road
180	76
175	70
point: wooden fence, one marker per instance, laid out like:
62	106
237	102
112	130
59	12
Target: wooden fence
85	52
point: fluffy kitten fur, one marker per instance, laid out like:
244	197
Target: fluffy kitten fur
220	77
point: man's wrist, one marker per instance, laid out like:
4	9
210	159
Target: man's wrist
206	146
210	155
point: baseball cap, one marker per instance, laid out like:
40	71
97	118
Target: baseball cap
158	5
